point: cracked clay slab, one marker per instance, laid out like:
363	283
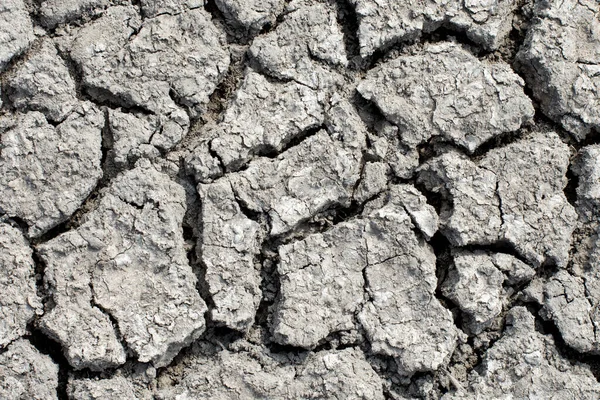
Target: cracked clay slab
525	364
131	272
513	194
43	84
55	12
322	276
19	301
446	91
252	15
476	283
16	30
402	317
560	59
301	46
144	64
301	182
299	199
25	373
47	172
382	23
253	373
264	117
229	249
323	288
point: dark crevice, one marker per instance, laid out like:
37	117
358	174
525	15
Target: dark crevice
234	33
107	161
5	103
269	286
269	27
495	142
499	246
436	145
52	233
53	349
227	335
214	154
72	222
182	103
443	262
387	369
433	147
592	138
248	212
40	282
570	189
521	21
198	267
449	33
542	122
335	341
441	34
361	175
220	337
547	269
348	21
16	222
276	348
103	97
224	92
267	151
74	71
19	60
270	152
368	112
480	349
436	200
340	213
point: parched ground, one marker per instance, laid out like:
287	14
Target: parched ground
299	199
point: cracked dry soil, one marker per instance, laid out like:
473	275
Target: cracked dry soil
299	199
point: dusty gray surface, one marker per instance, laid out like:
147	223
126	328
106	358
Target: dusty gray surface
229	250
382	23
306	199
560	58
446	91
47	172
303	46
402	317
54	12
133	239
250	15
16	30
43	84
18	294
264	117
514	194
525	364
26	373
305	180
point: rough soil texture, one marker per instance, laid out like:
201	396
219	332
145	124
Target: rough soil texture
299	199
